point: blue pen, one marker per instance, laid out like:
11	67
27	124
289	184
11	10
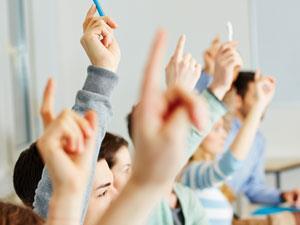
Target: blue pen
99	8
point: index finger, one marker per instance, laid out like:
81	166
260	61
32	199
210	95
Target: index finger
47	107
151	75
91	12
180	46
89	16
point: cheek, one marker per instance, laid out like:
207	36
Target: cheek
120	180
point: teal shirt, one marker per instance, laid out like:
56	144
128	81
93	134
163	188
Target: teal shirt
194	213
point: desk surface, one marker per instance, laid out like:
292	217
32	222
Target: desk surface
274	165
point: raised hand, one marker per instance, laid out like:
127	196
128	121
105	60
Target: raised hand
160	123
265	89
182	70
210	56
66	146
228	60
67	139
99	41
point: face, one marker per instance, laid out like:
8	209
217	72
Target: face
102	194
122	168
215	140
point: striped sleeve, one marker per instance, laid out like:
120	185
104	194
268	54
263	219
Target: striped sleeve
201	175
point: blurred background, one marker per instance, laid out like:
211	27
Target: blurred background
40	38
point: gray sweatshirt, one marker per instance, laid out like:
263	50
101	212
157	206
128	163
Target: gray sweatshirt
94	95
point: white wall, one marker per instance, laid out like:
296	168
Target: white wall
277	50
138	20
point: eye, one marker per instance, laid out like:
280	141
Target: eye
102	194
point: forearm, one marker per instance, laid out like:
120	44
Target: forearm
245	137
201	175
65	209
215	111
262	194
133	204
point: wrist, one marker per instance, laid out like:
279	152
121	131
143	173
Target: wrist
218	91
101	65
146	183
65	207
259	106
208	70
154	189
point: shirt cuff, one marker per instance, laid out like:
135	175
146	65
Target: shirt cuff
100	81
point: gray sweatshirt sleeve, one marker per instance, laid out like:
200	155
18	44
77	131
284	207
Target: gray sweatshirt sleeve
94	95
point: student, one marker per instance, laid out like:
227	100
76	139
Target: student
206	173
182	206
250	179
104	55
27	172
16	215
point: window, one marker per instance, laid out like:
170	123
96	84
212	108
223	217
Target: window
19	72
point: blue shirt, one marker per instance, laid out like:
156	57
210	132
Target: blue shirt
204	81
250	178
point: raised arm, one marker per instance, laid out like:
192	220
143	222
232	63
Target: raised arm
104	55
160	126
203	175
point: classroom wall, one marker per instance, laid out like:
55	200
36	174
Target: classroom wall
66	60
138	21
277	52
55	30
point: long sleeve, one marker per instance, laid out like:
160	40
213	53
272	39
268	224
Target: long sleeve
95	95
162	213
250	178
216	111
201	175
204	81
257	190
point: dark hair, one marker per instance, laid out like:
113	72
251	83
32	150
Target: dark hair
27	174
242	82
29	166
111	144
16	215
129	124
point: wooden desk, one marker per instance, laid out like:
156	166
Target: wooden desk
277	166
